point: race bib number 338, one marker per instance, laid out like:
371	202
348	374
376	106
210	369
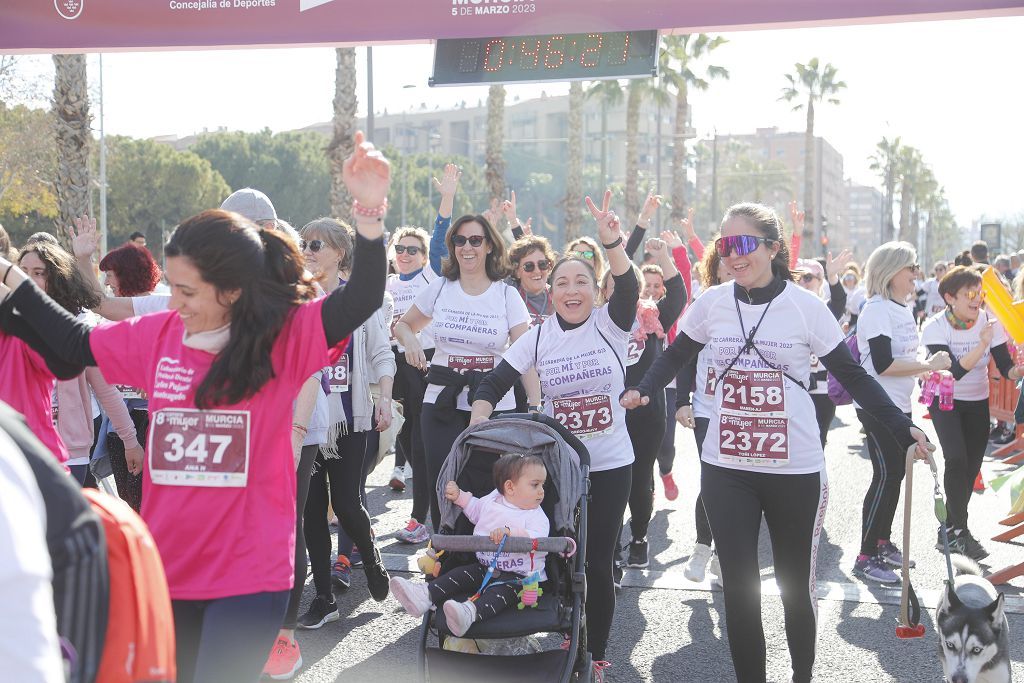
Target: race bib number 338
189	447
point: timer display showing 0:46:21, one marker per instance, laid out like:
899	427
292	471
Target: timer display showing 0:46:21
545	57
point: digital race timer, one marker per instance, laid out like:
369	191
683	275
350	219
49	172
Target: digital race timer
554	57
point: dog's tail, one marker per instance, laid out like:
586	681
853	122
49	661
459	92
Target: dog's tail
964	565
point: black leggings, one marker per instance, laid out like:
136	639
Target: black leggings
344	474
438	437
302	476
464	581
963	435
824	412
667	450
410	384
646	427
700	515
888	464
609	491
793	506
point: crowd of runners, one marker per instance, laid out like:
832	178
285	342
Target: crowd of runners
294	360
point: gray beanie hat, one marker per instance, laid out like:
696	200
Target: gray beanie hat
251	203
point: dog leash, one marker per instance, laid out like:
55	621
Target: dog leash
910	625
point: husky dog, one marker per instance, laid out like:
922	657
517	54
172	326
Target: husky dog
972	626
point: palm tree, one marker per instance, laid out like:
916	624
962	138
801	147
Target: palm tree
639	90
340	147
748	179
574	170
679	64
816	84
884	162
495	158
610	94
907	171
72	120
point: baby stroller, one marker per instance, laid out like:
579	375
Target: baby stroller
561	607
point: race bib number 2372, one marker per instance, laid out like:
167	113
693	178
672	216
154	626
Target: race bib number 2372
189	447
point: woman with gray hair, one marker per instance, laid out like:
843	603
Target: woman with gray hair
889	346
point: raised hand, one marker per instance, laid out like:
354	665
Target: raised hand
797	217
608	227
85	239
493	214
687	224
449	182
671	238
656	248
528	226
366	173
650	207
508	209
833	266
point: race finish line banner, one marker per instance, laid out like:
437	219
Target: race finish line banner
97	25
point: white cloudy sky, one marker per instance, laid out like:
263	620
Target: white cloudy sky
953	89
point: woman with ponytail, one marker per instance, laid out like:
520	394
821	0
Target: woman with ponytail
762	454
222	369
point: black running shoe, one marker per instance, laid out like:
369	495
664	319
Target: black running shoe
966	544
322	610
377	578
637	554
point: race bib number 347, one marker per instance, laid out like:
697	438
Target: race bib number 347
189	447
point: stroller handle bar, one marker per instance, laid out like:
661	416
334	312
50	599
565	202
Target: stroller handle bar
513	544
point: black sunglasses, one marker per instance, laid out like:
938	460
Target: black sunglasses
543	264
474	240
402	249
314	246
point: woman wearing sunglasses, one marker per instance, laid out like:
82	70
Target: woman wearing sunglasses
889	345
586	248
762	454
580	353
532	259
970	336
473	316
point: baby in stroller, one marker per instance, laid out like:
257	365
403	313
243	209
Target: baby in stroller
477	592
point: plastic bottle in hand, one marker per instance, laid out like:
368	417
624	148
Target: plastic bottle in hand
931	385
946	392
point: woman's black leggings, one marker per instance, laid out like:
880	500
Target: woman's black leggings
824	412
344	474
302	477
609	491
646	427
410	384
793	506
888	464
667	450
438	436
700	515
963	435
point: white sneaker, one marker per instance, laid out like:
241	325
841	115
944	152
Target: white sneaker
414	597
397	482
698	563
407	471
460	616
716	571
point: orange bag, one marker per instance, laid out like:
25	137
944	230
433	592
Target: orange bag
139	646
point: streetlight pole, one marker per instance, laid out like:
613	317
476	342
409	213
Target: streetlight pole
103	171
369	93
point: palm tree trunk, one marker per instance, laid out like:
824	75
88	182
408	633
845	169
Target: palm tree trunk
632	152
807	243
679	156
72	120
494	172
905	202
574	170
890	198
340	147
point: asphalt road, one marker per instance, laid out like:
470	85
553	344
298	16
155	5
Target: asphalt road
669	629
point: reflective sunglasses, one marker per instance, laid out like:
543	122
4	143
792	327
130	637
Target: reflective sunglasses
314	246
474	240
973	294
402	249
542	265
588	254
915	268
740	245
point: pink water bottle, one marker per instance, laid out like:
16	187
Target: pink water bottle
946	392
931	385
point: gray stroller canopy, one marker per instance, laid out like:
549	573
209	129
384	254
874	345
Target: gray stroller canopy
517	436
